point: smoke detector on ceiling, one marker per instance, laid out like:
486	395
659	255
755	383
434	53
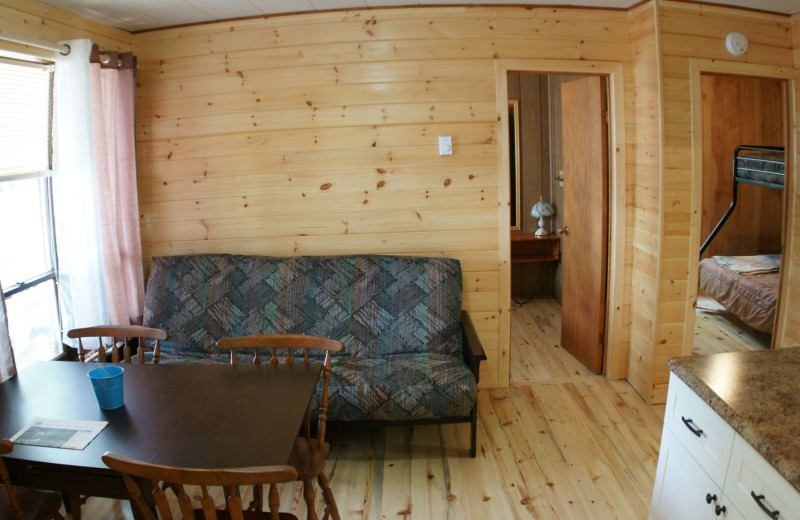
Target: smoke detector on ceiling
736	43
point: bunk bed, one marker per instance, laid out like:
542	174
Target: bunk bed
747	286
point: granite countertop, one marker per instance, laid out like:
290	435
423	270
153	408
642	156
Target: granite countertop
758	394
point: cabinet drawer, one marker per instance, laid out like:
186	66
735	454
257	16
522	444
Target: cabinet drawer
704	434
682	489
752	480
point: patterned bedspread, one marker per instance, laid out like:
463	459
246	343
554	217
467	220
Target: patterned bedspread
753	299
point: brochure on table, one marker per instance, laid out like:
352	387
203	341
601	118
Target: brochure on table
59	433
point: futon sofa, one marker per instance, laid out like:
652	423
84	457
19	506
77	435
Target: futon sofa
411	354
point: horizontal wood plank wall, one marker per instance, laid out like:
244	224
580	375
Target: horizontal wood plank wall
791	292
48	23
687	31
317	134
740	110
647	186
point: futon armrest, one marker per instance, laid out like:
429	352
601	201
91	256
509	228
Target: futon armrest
473	351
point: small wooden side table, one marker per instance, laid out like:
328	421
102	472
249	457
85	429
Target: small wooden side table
525	247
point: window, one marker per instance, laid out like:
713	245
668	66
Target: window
27	247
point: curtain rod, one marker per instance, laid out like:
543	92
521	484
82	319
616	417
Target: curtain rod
55	47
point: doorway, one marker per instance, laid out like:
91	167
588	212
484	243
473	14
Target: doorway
744	142
558	136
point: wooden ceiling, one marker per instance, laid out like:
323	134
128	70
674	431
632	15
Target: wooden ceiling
139	15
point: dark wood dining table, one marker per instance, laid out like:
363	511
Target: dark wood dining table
190	415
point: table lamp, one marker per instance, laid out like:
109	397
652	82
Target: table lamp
540	210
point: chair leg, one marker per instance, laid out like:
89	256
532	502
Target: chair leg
257	504
309	495
327	494
274	501
75	506
473	447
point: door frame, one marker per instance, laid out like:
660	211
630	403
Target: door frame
696	68
615	359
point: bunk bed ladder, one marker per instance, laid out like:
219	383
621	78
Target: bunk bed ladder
722	221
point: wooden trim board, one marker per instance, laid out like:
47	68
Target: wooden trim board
696	68
614	359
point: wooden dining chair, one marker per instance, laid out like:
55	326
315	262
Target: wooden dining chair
118	334
19	503
308	454
142	479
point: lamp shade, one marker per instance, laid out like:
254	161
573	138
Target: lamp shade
542	209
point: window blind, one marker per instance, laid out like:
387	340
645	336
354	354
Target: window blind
25	103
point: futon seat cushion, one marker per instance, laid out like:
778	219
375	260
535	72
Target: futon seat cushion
399	387
182	359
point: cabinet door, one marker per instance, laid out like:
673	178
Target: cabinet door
757	489
681	485
731	513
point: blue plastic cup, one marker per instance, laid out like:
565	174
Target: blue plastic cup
107	384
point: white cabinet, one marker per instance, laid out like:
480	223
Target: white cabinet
757	489
682	489
692	462
702	457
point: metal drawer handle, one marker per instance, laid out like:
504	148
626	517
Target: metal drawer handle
688	423
710	498
759	500
718	510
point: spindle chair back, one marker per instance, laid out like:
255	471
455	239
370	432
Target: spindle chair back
192	491
118	334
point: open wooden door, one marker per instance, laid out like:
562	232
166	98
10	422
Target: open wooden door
584	237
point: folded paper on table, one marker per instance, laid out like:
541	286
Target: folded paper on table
59	433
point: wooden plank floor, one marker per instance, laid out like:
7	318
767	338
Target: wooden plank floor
536	353
717	330
559	444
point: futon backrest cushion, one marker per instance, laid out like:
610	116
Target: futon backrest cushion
377	305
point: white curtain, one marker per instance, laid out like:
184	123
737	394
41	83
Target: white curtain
118	204
94	195
81	285
7	366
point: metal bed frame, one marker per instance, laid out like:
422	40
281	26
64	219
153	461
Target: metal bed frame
737	159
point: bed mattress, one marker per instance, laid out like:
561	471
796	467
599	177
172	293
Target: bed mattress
762	166
752	298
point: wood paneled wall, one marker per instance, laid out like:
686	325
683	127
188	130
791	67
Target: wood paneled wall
44	22
645	212
531	90
791	289
740	110
688	32
317	134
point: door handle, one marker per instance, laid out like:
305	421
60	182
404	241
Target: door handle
563	231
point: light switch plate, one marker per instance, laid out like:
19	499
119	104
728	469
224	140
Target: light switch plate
445	145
